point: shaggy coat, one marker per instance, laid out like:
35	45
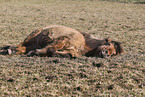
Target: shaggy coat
59	40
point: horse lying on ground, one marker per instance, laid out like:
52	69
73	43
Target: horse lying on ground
63	41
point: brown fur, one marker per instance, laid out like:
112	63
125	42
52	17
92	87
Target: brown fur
61	40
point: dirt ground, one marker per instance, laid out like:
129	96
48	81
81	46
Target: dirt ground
122	75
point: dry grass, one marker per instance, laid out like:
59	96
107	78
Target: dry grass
123	75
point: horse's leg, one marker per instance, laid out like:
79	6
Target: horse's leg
7	50
61	47
46	51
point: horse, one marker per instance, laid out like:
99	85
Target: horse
58	40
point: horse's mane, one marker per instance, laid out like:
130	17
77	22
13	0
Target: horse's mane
118	47
91	42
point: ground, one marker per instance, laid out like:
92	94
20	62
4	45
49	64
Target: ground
122	75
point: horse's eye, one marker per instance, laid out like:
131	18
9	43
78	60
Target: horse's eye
113	54
105	53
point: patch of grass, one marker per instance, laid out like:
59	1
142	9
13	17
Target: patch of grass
121	75
124	0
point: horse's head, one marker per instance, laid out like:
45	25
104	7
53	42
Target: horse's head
110	48
106	48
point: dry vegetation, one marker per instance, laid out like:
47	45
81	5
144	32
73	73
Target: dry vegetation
123	75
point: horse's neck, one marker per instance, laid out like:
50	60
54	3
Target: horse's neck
94	43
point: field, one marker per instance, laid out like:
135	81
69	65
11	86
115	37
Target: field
122	76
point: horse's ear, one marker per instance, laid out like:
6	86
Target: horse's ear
108	39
